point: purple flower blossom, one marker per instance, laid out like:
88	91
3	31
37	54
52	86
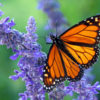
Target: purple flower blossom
1	13
58	93
85	90
8	36
23	96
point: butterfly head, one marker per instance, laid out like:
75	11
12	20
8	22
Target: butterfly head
53	37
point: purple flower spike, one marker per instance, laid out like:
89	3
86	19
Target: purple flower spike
14	77
18	75
69	90
11	23
8	36
85	90
58	93
56	19
6	20
31	28
1	12
32	59
30	64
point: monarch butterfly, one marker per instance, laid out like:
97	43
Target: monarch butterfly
72	52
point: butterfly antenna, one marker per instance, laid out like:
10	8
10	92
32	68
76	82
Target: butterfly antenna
50	28
50	34
56	29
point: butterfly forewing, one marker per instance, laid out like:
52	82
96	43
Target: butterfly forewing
53	71
82	41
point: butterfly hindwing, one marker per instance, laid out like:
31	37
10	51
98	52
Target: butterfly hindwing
84	55
73	70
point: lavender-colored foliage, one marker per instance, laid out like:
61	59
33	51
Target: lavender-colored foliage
85	90
56	20
8	36
32	59
1	4
1	12
31	64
